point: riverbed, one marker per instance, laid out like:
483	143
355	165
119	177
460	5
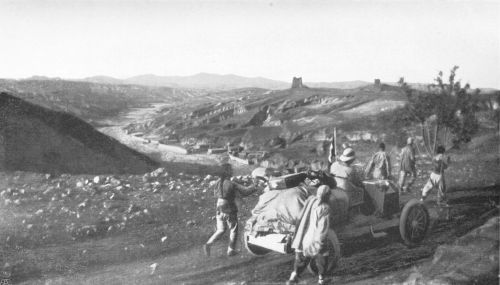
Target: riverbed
114	127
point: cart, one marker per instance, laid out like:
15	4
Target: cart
371	209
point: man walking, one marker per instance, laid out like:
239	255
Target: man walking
311	236
226	209
407	166
380	164
436	179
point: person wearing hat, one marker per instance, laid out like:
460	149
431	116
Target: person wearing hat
407	166
379	165
311	236
226	209
345	175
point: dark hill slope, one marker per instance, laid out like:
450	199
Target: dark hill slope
92	101
33	138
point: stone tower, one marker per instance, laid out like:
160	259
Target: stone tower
297	82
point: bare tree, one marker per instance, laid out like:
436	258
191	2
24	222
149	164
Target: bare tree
444	111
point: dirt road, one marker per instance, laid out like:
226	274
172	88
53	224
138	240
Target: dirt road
362	258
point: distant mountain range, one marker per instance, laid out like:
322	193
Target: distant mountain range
210	81
217	82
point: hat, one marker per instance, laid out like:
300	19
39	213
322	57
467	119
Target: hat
409	140
347	155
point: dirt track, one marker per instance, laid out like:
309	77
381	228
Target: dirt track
362	259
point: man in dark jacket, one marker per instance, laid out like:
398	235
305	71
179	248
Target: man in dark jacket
379	165
407	166
226	209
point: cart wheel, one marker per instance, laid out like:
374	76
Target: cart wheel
333	257
414	222
254	249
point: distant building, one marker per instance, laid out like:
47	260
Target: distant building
377	82
297	82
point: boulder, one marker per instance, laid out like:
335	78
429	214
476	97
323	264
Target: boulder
472	259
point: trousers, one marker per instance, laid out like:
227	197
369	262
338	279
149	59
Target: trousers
226	221
302	261
402	178
435	181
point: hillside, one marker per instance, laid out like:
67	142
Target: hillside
91	101
339	85
34	138
256	118
207	81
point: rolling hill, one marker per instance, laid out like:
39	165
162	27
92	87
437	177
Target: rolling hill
207	81
37	139
93	101
213	82
256	118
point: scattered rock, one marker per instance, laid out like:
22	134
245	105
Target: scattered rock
113	181
153	267
157	172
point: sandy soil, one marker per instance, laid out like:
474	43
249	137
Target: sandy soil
363	259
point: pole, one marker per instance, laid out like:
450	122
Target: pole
335	142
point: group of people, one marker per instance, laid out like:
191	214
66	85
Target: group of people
380	168
311	236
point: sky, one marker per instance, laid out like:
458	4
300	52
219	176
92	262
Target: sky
324	41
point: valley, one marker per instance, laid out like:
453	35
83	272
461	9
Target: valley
148	227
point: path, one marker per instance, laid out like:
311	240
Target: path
362	258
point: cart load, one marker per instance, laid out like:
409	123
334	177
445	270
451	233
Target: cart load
278	211
371	209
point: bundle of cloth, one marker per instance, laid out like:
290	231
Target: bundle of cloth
279	211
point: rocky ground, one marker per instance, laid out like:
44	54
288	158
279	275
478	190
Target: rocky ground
149	229
77	223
